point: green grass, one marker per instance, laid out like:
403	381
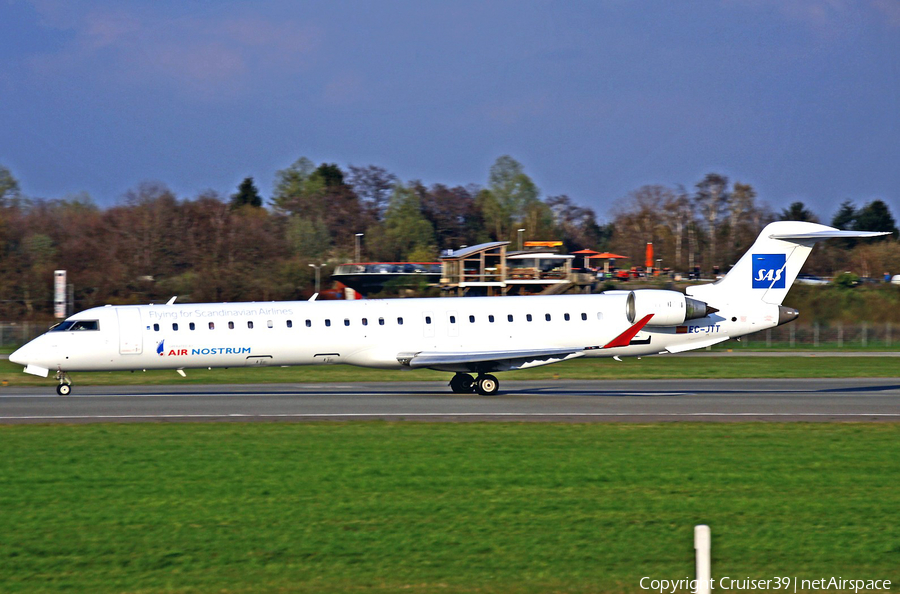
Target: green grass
665	367
379	507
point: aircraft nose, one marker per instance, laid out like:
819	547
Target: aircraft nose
20	355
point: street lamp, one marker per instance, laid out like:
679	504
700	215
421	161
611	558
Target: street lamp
521	231
317	267
358	240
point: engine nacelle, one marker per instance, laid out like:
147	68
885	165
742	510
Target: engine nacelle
669	308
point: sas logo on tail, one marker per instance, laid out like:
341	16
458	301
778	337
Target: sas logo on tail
768	271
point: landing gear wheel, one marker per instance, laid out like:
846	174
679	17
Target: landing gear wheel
462	383
487	385
65	384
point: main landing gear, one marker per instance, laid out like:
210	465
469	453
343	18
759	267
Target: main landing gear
485	384
65	384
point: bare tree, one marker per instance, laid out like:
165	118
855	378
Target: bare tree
711	196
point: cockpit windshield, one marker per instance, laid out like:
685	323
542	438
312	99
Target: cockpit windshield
76	325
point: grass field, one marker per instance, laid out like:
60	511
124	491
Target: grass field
379	507
665	367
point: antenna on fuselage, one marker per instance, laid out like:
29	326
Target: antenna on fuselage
313	298
172	300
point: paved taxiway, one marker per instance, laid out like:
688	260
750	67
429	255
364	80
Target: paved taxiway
860	400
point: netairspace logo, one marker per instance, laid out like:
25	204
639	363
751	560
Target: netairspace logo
768	271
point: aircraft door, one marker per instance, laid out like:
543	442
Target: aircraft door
428	323
131	338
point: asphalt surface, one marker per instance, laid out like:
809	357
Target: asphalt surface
779	400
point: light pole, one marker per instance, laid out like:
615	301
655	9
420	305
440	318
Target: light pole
358	241
521	244
317	267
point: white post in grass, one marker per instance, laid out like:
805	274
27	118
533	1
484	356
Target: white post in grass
702	546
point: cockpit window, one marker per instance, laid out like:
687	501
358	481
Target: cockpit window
76	325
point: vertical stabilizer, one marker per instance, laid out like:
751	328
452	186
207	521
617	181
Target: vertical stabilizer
768	269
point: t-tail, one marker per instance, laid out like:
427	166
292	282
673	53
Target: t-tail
767	270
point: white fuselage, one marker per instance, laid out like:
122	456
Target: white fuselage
370	333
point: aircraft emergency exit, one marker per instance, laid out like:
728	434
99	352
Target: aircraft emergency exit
463	335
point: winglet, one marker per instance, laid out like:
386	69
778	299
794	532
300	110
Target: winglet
624	339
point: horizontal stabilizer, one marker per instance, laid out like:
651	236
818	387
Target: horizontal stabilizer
830	234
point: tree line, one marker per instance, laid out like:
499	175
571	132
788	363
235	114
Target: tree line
154	244
713	224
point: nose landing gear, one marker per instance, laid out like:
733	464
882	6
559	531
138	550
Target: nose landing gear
65	384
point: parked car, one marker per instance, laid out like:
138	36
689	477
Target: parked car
810	279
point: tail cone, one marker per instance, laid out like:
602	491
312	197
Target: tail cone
786	314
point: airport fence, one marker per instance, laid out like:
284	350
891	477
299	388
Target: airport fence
821	335
13	334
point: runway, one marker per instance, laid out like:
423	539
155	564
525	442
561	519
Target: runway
635	401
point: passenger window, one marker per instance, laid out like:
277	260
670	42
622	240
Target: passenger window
212	325
175	326
452	319
309	323
231	325
192	326
290	324
156	327
584	317
547	317
427	319
249	324
566	317
599	315
365	321
491	319
381	321
471	319
270	324
346	322
528	317
509	318
400	321
328	322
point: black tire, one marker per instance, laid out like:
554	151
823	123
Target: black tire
487	385
63	389
462	383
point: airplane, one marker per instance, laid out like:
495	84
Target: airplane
462	335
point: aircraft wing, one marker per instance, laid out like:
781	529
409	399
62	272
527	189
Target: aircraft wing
517	359
510	359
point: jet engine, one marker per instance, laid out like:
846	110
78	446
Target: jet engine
669	308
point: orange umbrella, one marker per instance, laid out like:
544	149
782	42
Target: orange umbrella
608	256
649	261
586	254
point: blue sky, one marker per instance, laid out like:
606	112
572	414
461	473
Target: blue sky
800	98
